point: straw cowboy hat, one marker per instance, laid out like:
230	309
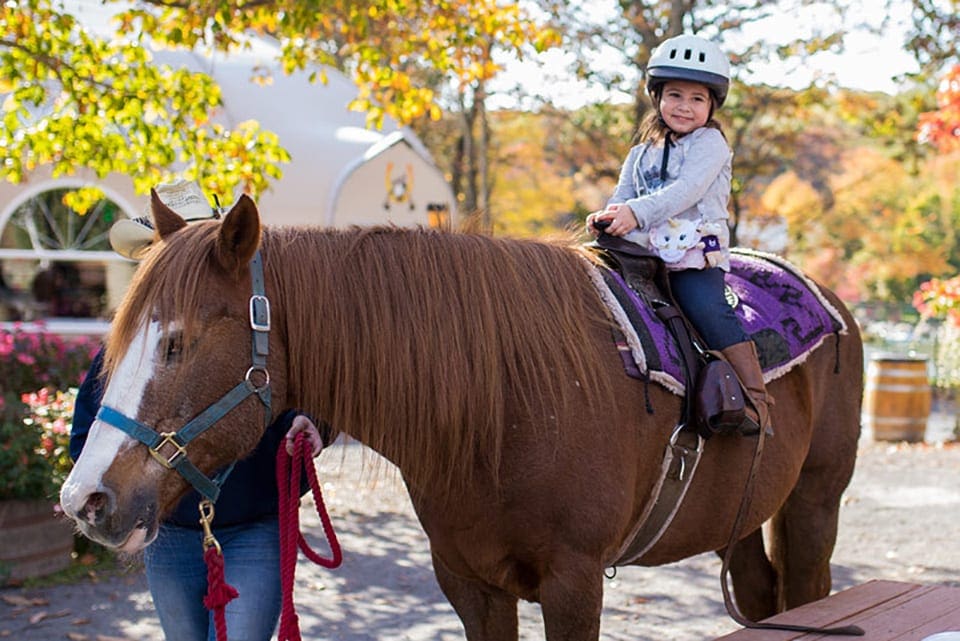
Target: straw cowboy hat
132	236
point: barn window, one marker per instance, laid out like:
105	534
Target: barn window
53	261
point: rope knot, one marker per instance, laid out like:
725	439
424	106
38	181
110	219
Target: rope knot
219	592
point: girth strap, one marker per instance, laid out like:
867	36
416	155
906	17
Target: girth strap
680	459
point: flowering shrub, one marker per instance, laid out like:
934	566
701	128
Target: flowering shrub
938	298
32	360
34	416
35	437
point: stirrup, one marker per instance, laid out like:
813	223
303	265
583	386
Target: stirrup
750	427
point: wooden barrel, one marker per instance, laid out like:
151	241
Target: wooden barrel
34	540
896	400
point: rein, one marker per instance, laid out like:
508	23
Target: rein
736	531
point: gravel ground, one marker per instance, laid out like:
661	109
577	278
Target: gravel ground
899	521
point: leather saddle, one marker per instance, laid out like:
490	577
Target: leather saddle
715	401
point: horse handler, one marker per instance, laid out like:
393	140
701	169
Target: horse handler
245	522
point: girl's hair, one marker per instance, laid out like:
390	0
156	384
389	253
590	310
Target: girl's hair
653	128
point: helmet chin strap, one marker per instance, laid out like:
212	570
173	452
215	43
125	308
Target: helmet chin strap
667	143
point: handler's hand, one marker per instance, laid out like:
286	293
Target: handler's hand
302	423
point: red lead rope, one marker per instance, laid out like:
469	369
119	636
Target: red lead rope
219	592
288	488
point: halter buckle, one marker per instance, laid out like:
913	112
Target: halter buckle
168	438
259	322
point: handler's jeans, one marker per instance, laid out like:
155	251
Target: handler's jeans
699	293
177	576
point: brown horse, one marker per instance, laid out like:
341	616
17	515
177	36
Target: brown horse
484	369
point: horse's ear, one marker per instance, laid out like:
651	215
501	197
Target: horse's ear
239	235
165	220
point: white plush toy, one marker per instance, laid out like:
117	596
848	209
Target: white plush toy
687	243
673	238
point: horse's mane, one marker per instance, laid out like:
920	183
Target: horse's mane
168	286
415	342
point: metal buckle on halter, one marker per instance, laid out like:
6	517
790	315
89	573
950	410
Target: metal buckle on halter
169	438
256	324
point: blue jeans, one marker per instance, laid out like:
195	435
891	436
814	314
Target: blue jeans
177	576
699	293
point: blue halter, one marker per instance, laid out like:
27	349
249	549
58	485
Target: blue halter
175	443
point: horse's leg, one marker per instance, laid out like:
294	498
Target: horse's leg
804	530
754	578
803	535
488	614
571	598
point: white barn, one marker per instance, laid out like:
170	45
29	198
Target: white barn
340	174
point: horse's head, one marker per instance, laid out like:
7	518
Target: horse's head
183	340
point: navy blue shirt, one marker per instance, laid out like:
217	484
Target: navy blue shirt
250	491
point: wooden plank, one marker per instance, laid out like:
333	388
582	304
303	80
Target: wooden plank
901	619
887	610
827	611
943	616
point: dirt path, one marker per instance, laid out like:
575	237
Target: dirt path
899	521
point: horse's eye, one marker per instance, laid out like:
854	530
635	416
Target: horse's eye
172	347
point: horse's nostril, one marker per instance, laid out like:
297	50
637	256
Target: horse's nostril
95	506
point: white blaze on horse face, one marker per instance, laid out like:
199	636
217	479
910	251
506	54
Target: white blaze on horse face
105	442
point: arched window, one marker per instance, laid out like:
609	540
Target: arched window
55	262
44	223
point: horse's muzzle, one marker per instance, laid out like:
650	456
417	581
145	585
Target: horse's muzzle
127	525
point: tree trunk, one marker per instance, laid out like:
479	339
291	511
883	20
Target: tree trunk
482	149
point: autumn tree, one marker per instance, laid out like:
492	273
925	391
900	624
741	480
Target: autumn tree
941	128
76	99
934	34
531	192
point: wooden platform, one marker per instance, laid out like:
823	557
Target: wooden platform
886	610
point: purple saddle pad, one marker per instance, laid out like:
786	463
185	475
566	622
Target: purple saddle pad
782	311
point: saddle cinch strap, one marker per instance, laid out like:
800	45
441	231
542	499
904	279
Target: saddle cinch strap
160	443
680	459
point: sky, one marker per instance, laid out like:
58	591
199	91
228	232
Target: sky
869	62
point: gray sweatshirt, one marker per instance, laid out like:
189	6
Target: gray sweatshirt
676	216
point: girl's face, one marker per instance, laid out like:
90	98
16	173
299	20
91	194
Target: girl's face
685	105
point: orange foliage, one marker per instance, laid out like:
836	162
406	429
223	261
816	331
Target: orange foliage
941	128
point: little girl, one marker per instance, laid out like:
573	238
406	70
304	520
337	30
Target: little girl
672	199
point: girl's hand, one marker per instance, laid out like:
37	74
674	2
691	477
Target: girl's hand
302	423
622	220
591	220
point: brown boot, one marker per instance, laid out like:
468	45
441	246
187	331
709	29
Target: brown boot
743	357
